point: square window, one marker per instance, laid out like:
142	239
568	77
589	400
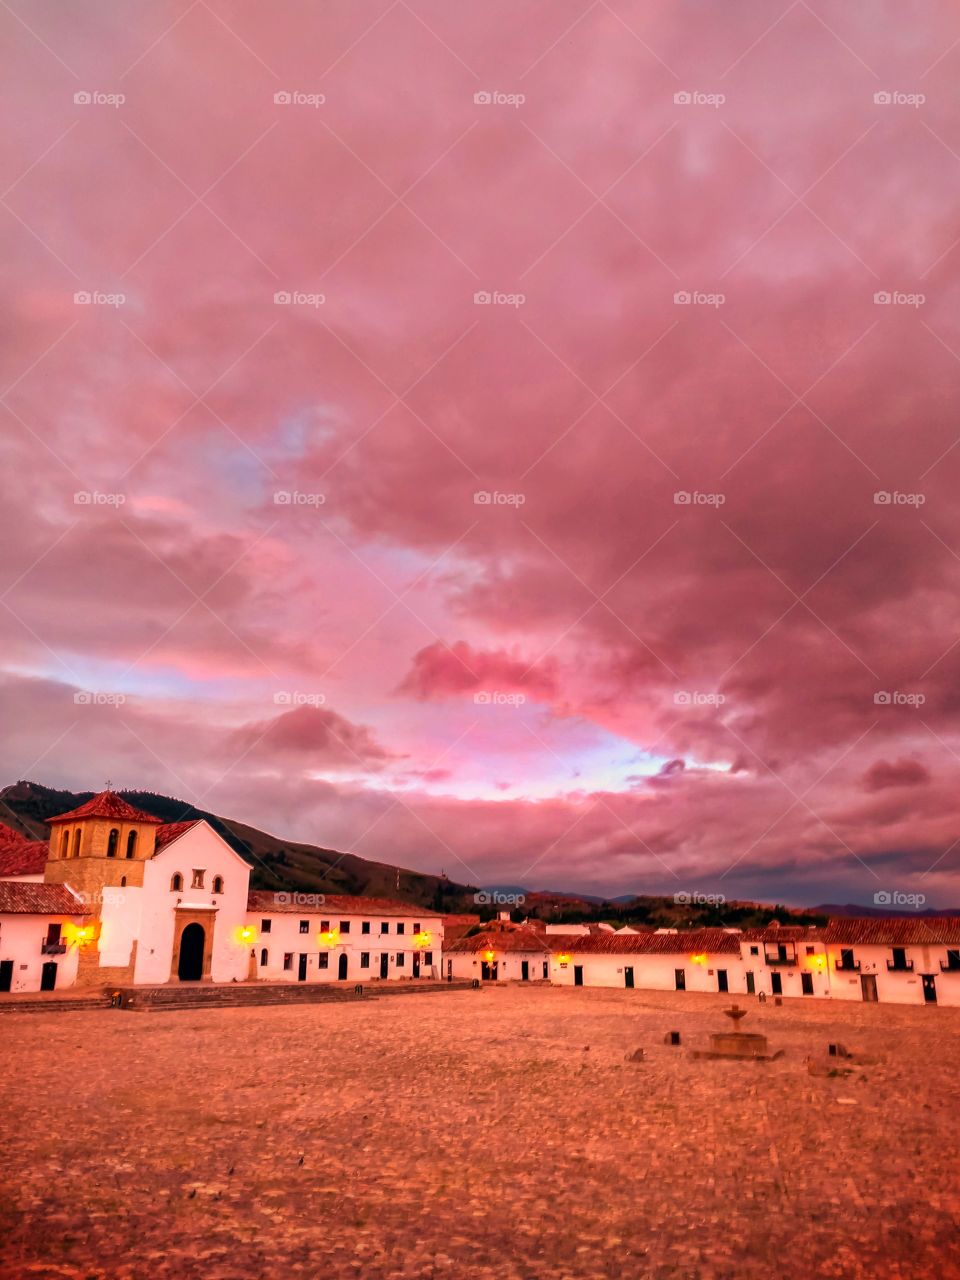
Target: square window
265	926
304	926
399	959
323	960
416	928
365	927
197	882
384	926
810	951
288	960
324	926
364	959
754	951
344	926
428	957
401	927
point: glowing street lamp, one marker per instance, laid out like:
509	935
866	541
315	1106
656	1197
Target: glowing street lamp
245	934
329	938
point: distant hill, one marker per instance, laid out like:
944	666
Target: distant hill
855	909
275	863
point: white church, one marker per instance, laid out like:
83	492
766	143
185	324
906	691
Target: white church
119	898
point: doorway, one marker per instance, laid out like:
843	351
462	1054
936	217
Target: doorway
628	978
524	970
578	975
192	942
48	976
806	984
385	965
868	987
722	984
929	988
488	970
302	968
776	983
680	979
342	966
751	983
416	964
6	975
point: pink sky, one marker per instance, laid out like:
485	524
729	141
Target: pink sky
585	682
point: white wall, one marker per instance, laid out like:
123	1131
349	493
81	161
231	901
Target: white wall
469	964
650	972
20	939
284	937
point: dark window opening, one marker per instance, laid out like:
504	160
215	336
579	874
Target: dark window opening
112	841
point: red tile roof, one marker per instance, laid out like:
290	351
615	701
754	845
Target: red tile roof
500	940
923	931
25	898
782	933
20	856
107	805
167	832
686	942
292	902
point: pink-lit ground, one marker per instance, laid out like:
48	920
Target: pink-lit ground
498	1133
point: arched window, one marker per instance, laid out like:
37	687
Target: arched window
131	844
112	841
123	882
176	883
65	843
218	884
264	956
76	843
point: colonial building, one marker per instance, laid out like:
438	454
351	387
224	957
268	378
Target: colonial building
117	897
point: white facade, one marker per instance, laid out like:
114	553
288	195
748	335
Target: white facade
22	939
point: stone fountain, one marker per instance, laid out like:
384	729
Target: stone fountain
738	1044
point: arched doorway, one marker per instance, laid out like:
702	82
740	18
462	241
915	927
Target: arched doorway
190	967
342	967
